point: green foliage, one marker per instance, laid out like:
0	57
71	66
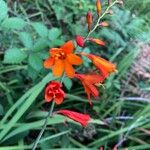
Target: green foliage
13	23
26	40
35	62
27	34
68	83
54	33
3	10
14	55
40	29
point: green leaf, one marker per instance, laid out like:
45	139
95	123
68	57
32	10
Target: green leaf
40	44
67	82
14	55
3	10
32	73
26	39
36	62
1	110
40	29
34	92
13	23
54	33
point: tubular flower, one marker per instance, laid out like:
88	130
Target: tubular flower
90	82
80	40
83	119
89	20
53	91
104	66
61	60
104	24
97	41
98	7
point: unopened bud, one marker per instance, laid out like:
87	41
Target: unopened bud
104	24
89	20
80	40
98	7
97	41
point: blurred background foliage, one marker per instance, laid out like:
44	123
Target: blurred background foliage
28	29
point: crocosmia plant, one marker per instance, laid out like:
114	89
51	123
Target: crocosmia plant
74	74
62	60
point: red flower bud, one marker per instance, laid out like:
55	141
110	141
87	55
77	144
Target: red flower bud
80	40
89	20
83	119
98	7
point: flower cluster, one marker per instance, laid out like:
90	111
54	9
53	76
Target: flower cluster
62	59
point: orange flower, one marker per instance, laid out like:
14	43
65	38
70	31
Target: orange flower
97	41
89	82
98	7
53	91
104	66
61	60
83	119
89	19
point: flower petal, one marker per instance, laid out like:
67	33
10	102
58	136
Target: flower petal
59	99
94	92
74	59
48	96
70	72
58	68
48	63
54	51
83	119
68	47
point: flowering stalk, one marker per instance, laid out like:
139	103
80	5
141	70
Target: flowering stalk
98	21
60	56
44	126
46	120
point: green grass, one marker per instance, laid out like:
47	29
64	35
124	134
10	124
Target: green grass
22	80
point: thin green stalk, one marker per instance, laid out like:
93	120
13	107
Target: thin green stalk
44	126
46	120
97	24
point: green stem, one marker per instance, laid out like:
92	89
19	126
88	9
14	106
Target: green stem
97	24
44	126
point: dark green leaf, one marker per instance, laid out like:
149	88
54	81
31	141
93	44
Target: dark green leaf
40	44
14	55
68	83
3	10
54	33
13	23
41	29
1	110
36	62
32	73
26	39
